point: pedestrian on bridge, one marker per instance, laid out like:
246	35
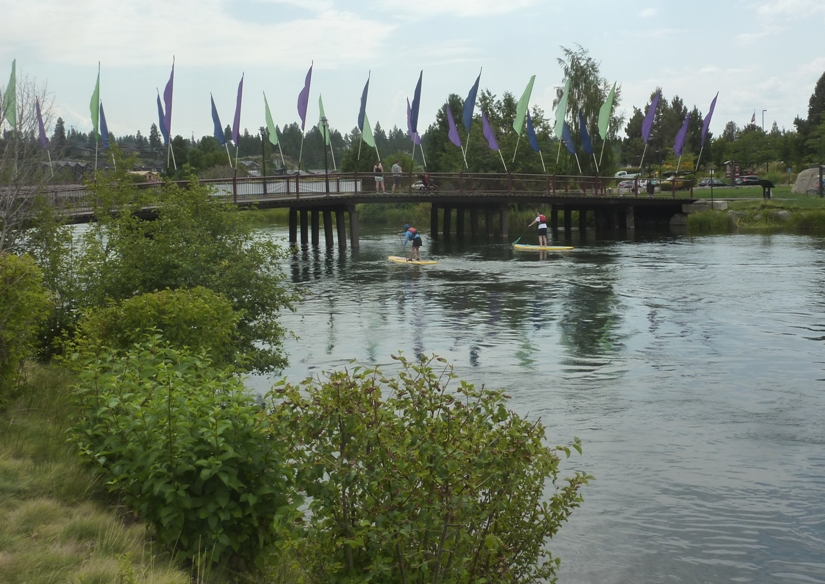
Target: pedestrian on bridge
396	176
378	171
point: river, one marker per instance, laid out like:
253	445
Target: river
692	369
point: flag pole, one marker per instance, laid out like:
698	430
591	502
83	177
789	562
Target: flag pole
559	152
602	153
577	163
283	162
516	150
544	168
502	160
361	141
51	168
334	167
596	163
642	164
696	168
678	164
420	147
228	156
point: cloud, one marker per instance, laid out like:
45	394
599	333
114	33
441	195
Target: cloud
426	8
790	9
648	12
199	32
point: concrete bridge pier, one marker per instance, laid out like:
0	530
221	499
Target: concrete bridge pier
328	228
474	222
459	221
434	221
630	218
568	220
503	216
293	225
304	227
488	220
314	225
341	227
554	218
448	220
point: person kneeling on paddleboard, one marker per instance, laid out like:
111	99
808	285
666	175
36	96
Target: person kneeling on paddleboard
542	221
411	234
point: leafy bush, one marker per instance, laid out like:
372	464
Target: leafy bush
197	319
411	482
185	446
24	303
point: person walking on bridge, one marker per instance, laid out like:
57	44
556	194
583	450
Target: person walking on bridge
396	176
378	171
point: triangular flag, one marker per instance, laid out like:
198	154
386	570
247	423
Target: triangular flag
413	135
303	99
270	125
452	132
488	132
41	137
567	138
587	146
561	110
216	121
367	132
470	103
324	128
167	100
531	133
104	129
416	104
521	107
236	122
605	111
647	123
10	98
707	118
363	111
162	123
94	106
679	145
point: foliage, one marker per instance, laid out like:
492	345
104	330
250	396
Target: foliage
196	240
412	481
184	445
24	303
197	319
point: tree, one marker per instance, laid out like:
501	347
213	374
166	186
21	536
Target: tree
816	104
59	136
155	141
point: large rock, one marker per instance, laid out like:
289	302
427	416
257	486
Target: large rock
807	181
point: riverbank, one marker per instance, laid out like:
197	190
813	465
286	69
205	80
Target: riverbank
748	211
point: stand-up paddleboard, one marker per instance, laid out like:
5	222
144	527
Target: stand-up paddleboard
403	260
527	247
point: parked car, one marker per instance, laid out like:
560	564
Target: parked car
748	179
712	182
680	182
625	174
627	184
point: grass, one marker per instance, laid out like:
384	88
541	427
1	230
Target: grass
57	524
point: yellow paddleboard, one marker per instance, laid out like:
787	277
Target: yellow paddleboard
526	247
403	260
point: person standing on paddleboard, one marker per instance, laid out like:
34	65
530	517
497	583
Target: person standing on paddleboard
411	234
542	222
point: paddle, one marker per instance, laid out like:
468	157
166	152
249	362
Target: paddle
522	234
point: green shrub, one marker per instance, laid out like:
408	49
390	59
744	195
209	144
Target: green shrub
185	446
710	222
411	482
24	303
197	319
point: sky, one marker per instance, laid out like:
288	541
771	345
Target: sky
758	54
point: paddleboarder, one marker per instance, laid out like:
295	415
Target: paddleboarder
542	223
411	234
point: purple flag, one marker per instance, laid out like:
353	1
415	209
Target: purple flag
162	123
587	146
167	100
104	129
416	103
707	119
679	145
216	121
488	132
531	133
647	123
413	135
452	134
363	111
44	141
470	103
303	99
236	123
567	139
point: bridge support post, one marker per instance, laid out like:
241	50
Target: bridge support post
353	227
614	216
568	219
630	218
503	222
328	228
582	220
434	221
293	225
304	227
554	218
474	222
313	217
459	221
342	230
488	220
448	220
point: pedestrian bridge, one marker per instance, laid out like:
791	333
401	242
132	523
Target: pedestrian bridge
483	198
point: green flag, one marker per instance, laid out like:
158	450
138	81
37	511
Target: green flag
270	125
521	108
322	121
561	110
94	106
604	113
366	135
10	99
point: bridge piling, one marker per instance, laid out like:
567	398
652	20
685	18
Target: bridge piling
582	220
304	227
434	221
448	220
503	216
314	225
328	228
353	228
554	218
474	222
293	225
488	220
630	218
342	230
459	221
568	220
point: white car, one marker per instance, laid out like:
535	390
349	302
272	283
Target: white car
625	174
